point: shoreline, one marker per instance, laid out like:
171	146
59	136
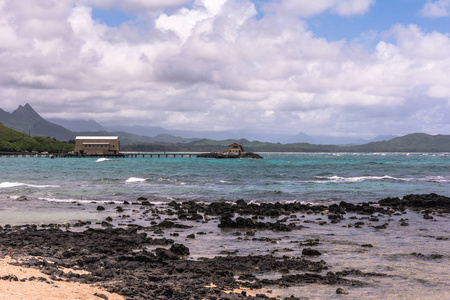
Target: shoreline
259	251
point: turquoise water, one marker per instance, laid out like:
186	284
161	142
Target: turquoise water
278	177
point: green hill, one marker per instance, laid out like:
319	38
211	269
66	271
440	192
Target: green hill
417	142
15	141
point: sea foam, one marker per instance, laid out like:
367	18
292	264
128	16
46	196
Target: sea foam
339	179
6	184
135	179
102	159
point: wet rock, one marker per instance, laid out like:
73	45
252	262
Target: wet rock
102	296
22	198
179	249
100	208
310	242
418	201
311	252
381	226
225	252
247	223
341	291
165	254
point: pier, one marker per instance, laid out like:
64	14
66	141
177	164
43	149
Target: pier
160	154
119	155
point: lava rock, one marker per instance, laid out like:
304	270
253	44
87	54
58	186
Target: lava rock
311	252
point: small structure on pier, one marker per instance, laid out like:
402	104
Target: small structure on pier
236	149
97	145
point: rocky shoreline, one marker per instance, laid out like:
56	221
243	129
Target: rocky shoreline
155	260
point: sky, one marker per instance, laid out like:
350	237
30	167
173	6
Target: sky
357	68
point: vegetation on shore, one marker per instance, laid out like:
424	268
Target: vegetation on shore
15	141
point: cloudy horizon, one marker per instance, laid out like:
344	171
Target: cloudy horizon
357	68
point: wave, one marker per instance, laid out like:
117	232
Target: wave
135	180
354	179
339	179
440	179
17	184
102	159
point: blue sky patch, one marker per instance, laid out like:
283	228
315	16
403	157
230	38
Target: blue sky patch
112	18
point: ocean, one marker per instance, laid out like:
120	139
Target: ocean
415	258
306	177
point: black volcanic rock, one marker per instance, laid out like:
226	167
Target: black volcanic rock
418	201
222	155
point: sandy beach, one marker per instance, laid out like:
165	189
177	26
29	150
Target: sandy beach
22	283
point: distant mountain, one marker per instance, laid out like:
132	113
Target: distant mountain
300	138
337	140
78	125
139	130
26	120
418	142
334	140
381	138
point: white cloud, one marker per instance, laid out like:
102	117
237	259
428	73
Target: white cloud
185	20
307	8
436	9
135	6
213	65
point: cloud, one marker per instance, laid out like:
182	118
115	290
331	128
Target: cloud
136	6
307	8
214	65
436	9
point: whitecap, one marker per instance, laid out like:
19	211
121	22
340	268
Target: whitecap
102	159
16	184
338	179
439	179
135	179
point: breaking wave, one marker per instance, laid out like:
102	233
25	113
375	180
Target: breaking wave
135	180
102	159
6	184
339	179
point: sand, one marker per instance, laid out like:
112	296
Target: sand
37	290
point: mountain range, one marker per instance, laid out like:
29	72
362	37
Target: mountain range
140	138
155	131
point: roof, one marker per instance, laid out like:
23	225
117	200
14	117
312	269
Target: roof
234	144
97	138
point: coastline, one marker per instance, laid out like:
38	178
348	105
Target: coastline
240	250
